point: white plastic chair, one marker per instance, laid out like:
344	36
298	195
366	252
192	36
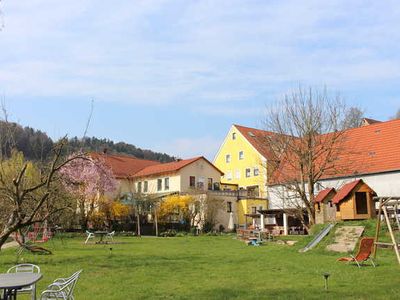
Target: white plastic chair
26	268
110	235
90	235
61	288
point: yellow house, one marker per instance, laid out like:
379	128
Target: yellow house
243	159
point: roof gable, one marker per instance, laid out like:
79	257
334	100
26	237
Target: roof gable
257	138
346	190
322	195
171	167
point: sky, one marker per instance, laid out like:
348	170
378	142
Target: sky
173	76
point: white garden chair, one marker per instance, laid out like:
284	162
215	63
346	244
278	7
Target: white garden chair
61	288
110	235
26	268
90	235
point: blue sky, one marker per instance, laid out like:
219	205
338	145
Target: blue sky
173	76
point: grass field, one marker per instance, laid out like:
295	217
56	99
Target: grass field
208	267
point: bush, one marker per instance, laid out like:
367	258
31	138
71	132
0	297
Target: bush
168	233
194	231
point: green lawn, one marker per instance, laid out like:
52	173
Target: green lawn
208	267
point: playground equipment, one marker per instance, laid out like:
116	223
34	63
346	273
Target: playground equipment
390	208
318	238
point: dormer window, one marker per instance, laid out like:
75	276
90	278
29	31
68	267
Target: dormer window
234	136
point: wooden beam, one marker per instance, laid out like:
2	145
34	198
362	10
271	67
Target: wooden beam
396	249
395	215
378	226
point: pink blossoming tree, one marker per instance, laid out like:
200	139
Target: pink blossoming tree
89	180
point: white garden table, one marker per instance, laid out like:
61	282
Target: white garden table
10	283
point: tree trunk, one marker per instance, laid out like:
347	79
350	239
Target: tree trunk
83	218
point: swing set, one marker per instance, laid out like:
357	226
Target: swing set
389	206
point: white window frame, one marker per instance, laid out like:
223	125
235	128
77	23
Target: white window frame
248	174
159	186
241	155
166	183
254	171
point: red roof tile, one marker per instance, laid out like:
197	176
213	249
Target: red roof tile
365	150
323	194
345	191
257	138
170	167
124	166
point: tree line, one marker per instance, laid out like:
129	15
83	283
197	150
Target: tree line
36	145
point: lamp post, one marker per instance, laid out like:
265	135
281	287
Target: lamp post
326	276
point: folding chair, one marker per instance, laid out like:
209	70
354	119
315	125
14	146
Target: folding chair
90	235
364	252
110	235
61	288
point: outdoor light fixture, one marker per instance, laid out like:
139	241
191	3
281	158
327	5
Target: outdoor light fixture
326	276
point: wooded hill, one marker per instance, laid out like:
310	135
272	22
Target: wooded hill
37	145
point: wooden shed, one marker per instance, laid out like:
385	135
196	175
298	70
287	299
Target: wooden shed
354	201
325	210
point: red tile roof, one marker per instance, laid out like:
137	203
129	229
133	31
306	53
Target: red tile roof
365	150
170	167
257	138
323	194
124	166
345	191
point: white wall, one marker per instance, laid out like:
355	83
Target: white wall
384	184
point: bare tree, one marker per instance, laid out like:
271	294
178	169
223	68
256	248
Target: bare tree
308	126
397	115
353	117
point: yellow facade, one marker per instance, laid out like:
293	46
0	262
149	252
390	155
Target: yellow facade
243	165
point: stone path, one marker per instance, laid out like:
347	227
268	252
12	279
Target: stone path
346	238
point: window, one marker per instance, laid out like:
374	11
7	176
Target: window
248	172
330	203
217	186
210	184
229	175
139	187
318	206
229	206
256	172
166	183
145	187
192	181
253	210
228	158
260	208
159	184
237	174
361	203
234	136
337	207
241	155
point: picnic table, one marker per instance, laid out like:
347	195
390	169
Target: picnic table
10	283
101	234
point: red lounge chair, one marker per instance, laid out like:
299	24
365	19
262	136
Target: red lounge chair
364	252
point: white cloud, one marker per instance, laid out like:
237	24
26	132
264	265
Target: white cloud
190	147
160	53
